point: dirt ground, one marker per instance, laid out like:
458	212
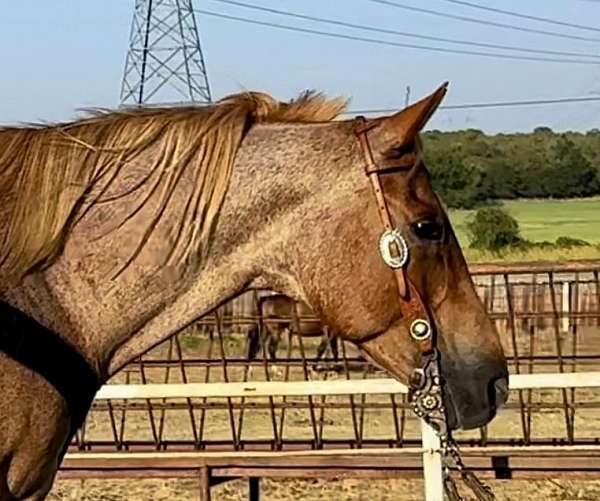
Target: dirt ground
312	490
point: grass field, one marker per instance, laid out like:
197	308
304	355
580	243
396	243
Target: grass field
543	220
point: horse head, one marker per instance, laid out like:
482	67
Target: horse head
366	294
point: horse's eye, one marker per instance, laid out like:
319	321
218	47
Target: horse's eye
428	229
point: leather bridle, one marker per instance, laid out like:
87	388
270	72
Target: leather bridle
414	312
425	381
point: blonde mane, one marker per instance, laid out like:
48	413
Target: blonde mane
47	173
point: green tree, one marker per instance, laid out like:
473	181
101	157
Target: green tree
572	175
470	168
536	173
501	180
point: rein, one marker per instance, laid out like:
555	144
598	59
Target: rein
39	349
426	391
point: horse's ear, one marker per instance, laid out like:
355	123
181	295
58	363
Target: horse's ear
402	127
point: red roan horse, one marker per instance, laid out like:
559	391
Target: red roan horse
119	230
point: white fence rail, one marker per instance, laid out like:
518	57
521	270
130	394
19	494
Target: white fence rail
432	465
317	388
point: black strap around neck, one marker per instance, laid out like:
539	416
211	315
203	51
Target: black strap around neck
34	346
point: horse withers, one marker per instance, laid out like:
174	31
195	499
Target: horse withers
121	229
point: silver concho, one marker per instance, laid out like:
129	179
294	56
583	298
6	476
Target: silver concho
393	248
426	396
420	329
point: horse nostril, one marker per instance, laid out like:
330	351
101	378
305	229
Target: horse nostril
501	392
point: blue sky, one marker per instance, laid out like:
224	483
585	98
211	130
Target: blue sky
60	55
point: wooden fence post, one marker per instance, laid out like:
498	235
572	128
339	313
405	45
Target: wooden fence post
204	483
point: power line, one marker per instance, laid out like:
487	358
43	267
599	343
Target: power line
482	21
498	104
389	43
337	22
523	16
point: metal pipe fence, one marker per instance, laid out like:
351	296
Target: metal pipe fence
548	316
503	461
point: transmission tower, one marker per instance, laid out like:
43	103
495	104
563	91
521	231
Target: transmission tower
165	61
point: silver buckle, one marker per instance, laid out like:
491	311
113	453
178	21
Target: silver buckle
393	248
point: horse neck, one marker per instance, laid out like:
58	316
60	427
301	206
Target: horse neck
277	182
286	176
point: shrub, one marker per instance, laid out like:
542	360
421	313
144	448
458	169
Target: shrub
570	242
492	228
544	244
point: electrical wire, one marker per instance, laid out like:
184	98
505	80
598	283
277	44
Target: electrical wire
522	16
482	21
390	43
497	104
387	31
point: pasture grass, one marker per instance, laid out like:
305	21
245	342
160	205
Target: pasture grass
541	220
532	255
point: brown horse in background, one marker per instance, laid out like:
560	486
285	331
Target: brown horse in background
280	314
120	230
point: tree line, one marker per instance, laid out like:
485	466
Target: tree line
470	168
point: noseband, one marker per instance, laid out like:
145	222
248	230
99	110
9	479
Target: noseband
425	395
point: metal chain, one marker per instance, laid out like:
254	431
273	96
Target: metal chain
451	454
427	403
